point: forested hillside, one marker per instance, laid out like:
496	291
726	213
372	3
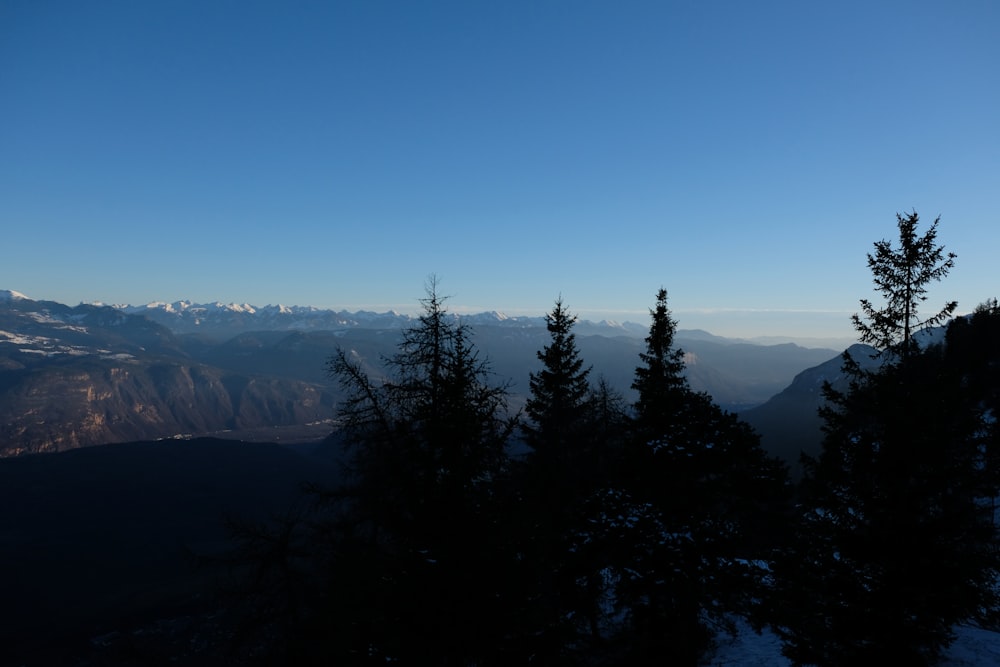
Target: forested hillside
636	531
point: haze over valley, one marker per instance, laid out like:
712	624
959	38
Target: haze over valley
93	374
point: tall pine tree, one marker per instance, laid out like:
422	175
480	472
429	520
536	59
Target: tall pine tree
556	478
694	489
426	446
902	275
895	543
659	381
557	406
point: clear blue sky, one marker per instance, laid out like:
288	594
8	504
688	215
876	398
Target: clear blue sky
744	155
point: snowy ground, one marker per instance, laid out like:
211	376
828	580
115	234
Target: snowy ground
974	647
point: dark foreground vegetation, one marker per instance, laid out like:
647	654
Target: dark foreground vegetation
102	542
588	531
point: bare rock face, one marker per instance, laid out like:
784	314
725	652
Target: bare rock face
76	377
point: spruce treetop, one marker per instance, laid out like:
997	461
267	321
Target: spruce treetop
661	377
560	389
901	275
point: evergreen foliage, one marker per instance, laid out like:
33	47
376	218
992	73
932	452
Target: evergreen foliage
608	424
896	541
566	419
693	489
428	447
557	406
660	380
636	538
436	428
901	275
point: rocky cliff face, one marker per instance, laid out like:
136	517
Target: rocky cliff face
85	403
75	377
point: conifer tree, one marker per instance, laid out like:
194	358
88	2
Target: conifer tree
901	275
695	485
556	478
437	415
895	543
427	446
557	406
659	381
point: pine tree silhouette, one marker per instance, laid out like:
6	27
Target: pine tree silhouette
895	543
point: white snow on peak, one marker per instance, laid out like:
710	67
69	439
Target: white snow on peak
178	307
218	306
11	295
157	305
124	307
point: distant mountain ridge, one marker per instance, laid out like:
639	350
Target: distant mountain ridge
219	319
222	319
227	319
94	374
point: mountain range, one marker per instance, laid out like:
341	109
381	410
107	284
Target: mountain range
220	319
74	376
118	552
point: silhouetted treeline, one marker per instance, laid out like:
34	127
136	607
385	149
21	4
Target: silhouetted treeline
589	531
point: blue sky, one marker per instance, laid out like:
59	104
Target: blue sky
743	155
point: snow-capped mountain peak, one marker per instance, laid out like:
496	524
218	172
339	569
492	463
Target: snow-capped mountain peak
11	295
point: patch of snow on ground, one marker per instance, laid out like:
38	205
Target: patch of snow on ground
21	339
749	649
44	318
973	647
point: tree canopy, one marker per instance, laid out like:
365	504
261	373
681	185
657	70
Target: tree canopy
902	276
896	539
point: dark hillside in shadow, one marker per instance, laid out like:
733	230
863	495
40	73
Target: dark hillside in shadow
100	539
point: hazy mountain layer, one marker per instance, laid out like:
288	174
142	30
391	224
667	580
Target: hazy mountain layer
93	374
789	422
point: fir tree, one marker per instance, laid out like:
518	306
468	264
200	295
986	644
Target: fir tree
427	446
557	406
694	488
895	543
659	381
556	477
901	275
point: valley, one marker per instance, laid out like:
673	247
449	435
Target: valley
93	374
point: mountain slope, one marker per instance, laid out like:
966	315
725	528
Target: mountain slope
74	377
789	422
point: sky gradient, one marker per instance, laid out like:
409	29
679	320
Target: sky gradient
743	155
